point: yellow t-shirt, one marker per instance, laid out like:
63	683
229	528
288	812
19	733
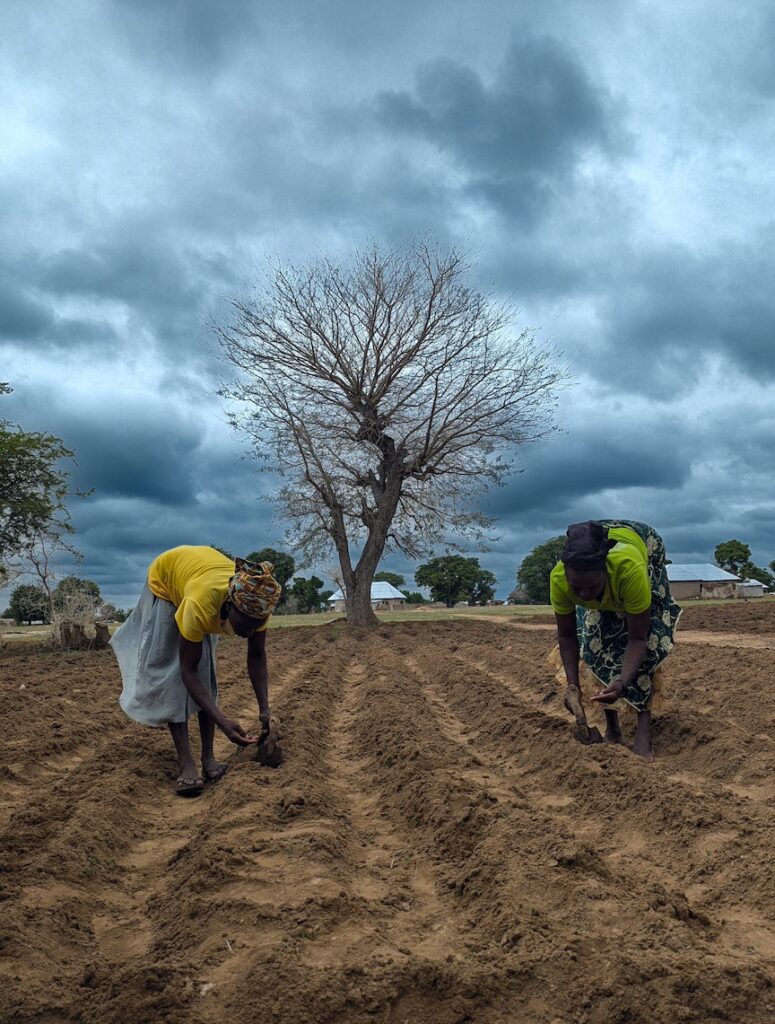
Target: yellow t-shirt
196	581
627	587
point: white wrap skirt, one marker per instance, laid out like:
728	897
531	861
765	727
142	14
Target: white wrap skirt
146	647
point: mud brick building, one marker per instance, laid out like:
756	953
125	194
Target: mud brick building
701	579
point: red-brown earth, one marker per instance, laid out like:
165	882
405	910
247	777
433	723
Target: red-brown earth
436	848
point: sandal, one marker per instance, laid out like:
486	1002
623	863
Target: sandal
190	786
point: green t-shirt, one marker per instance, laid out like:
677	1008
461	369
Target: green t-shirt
627	587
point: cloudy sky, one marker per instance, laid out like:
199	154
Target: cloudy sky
609	164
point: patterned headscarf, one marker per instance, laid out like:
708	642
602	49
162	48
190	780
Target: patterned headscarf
253	589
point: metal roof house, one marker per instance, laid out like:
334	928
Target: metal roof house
383	595
751	588
701	579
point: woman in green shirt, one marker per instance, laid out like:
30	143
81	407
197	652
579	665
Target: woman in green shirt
612	602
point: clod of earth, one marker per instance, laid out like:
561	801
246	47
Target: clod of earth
270	752
588	734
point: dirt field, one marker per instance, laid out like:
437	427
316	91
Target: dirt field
435	849
753	616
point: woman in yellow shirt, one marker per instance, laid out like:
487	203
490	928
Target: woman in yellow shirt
613	607
166	649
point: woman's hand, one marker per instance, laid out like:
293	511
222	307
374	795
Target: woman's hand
234	731
574	705
611	693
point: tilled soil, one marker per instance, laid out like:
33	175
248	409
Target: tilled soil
756	615
436	849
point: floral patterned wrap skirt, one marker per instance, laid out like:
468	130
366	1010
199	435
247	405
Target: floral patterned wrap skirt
603	635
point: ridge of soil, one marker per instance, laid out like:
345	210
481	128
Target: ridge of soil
435	848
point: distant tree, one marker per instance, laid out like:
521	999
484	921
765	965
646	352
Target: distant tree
223	551
414	597
29	604
749	571
284	566
70	588
390	577
451	578
732	555
33	487
307	593
533	573
288	607
518	596
108	612
387	391
324	598
483	590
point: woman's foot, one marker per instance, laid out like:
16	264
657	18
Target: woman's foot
213	770
642	747
189	783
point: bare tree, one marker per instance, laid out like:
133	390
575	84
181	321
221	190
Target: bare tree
388	393
73	613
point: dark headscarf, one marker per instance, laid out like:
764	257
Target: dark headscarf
586	546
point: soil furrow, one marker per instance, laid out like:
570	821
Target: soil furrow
435	848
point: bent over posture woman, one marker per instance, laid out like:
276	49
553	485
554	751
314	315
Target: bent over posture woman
166	649
612	603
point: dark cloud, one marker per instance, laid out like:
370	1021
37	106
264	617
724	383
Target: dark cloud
132	449
82	335
560	473
607	167
122	268
519	137
21	317
188	36
674	307
137	458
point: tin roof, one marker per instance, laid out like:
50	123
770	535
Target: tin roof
704	572
380	591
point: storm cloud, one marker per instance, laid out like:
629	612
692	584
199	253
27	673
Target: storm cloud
519	138
607	166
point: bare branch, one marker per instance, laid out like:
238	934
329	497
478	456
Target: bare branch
389	393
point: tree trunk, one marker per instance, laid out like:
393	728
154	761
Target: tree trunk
358	597
387	491
75	636
102	636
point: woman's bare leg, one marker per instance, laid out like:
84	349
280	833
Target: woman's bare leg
642	745
613	732
212	769
188	772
